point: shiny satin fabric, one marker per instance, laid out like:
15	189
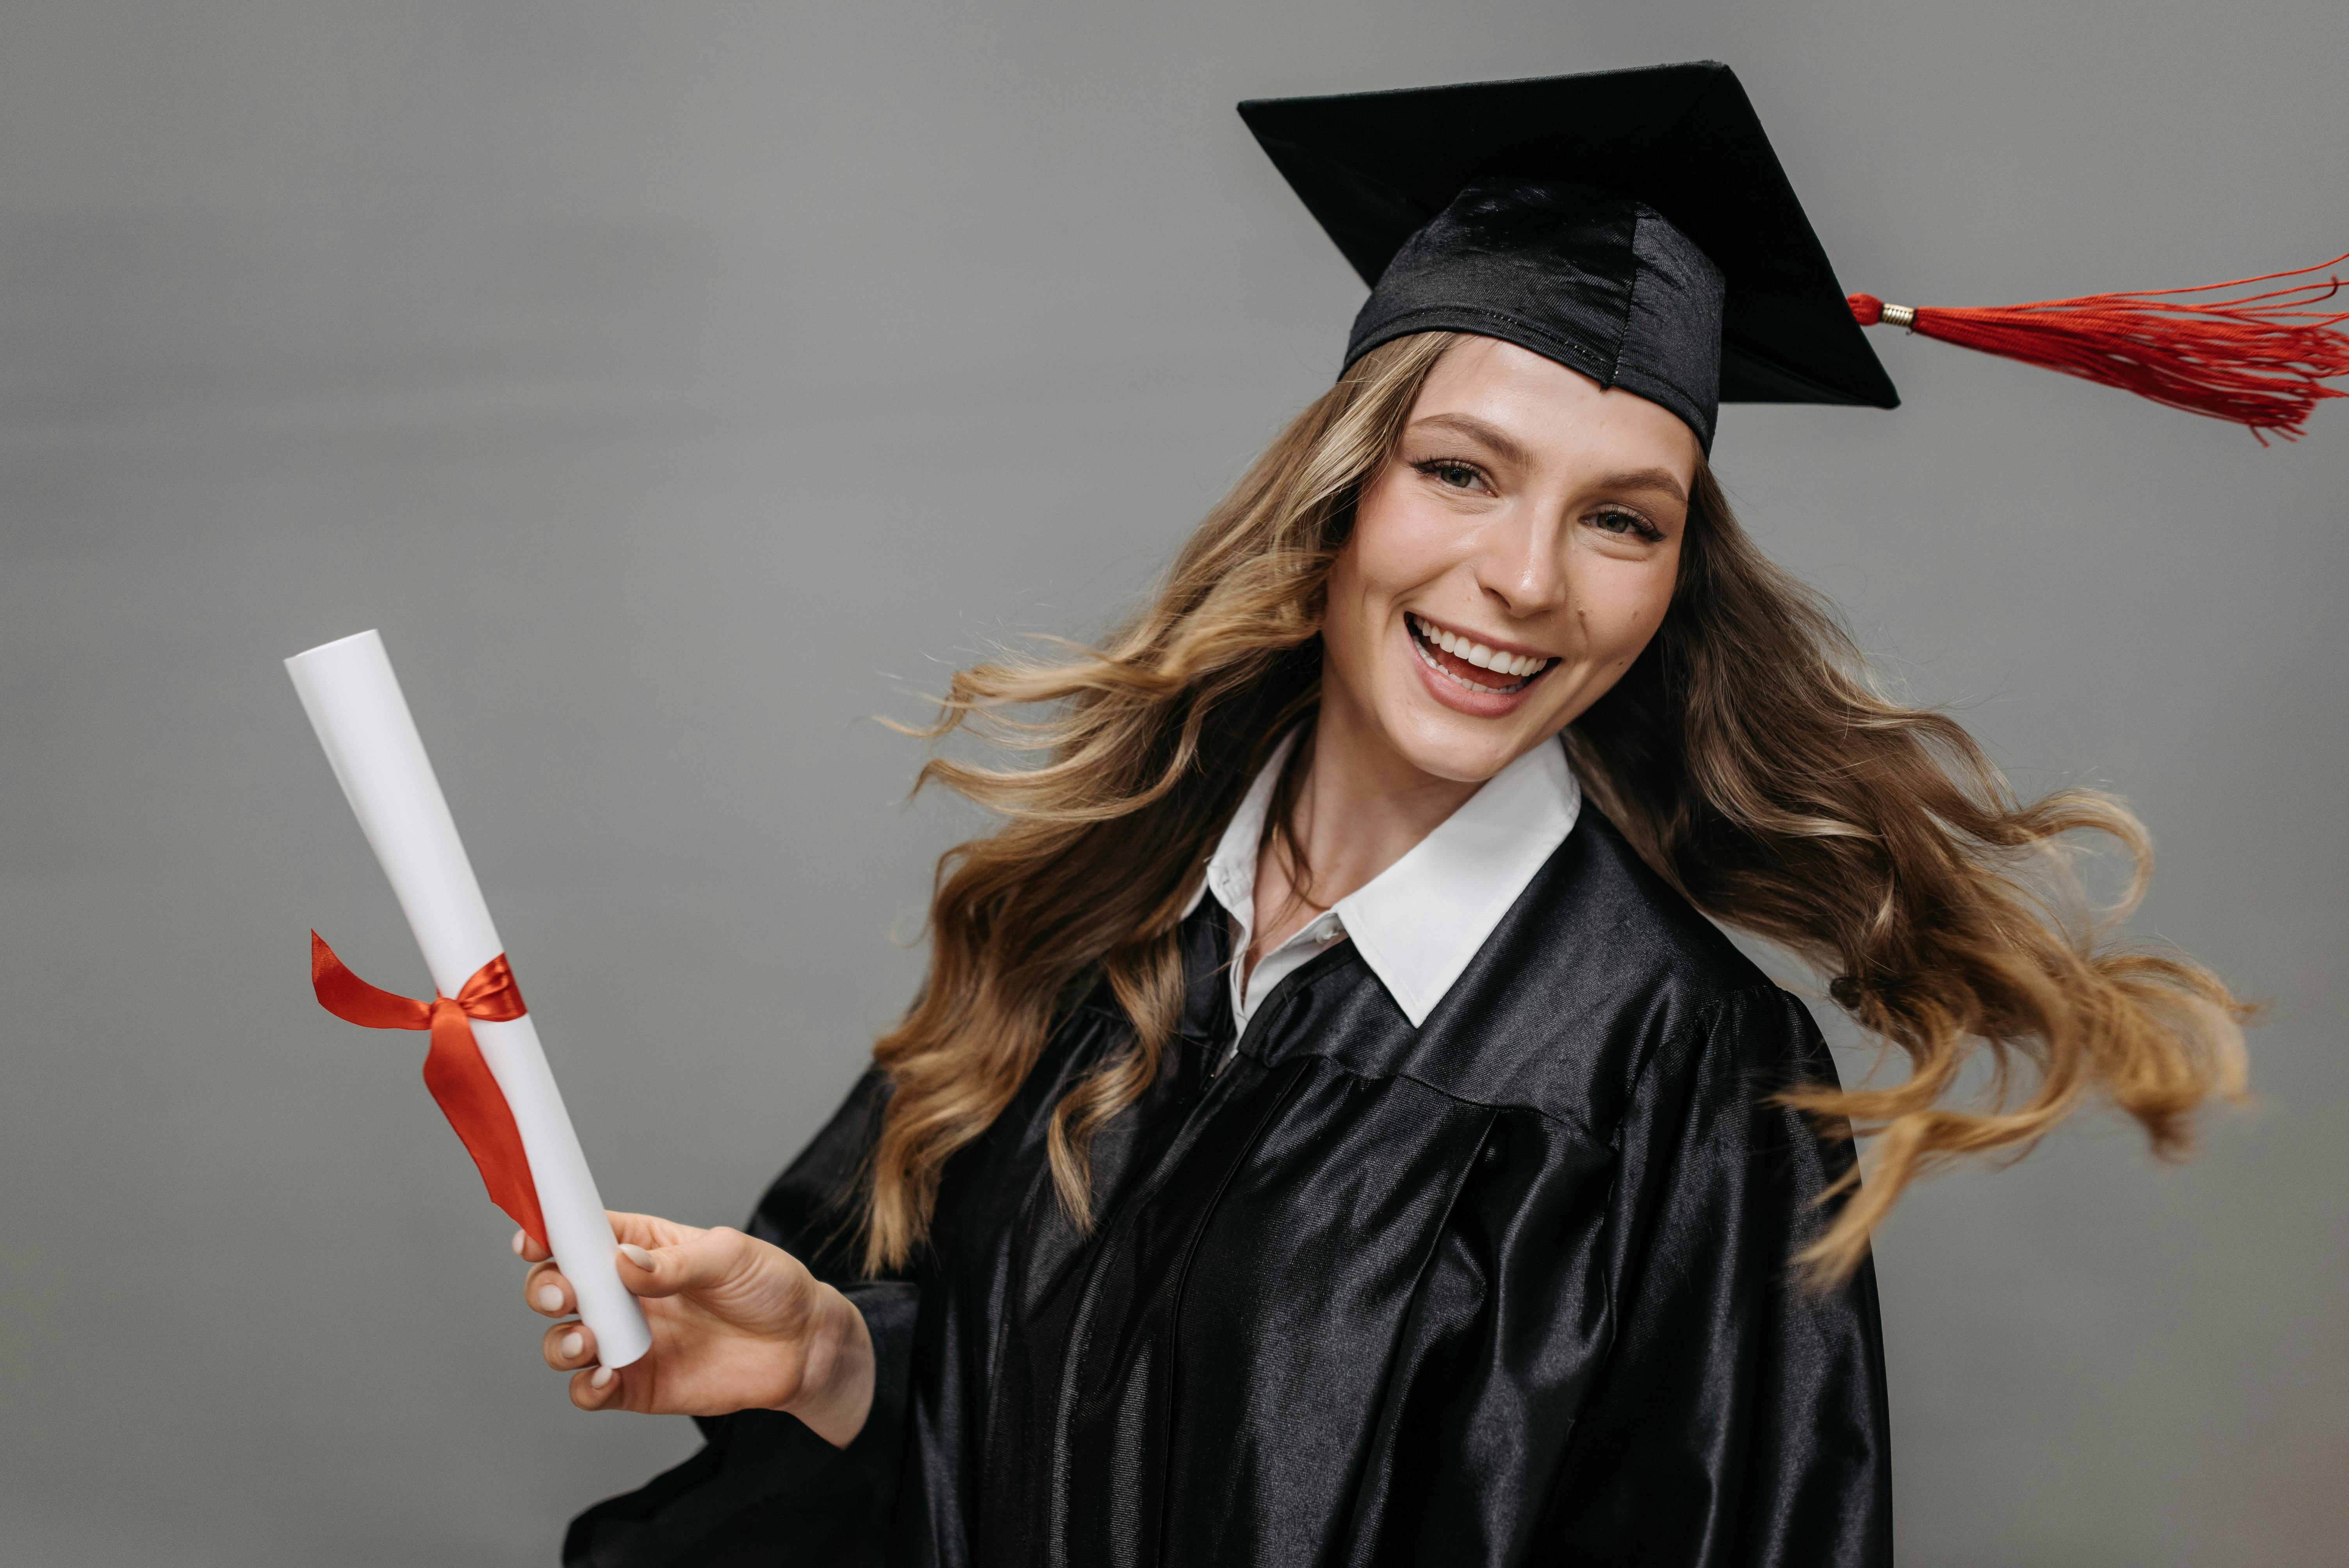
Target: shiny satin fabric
1506	1288
455	1073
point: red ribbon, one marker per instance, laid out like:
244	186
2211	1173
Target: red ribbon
453	1069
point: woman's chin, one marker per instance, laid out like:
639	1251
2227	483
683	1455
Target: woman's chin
1463	736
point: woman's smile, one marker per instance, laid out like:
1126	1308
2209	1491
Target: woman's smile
1467	674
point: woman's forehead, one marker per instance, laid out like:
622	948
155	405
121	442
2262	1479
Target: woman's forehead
1533	409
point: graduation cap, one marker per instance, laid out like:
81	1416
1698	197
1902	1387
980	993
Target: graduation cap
1636	226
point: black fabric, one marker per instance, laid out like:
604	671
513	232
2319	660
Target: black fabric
1385	173
764	1489
1601	284
1506	1288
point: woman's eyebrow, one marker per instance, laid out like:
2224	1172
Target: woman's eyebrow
1662	479
1505	445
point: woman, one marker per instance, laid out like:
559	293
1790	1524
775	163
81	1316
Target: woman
1330	1130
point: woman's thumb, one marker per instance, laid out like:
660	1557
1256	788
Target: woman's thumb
642	1272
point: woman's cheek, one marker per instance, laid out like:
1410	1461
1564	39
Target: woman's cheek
1619	631
1635	601
1405	539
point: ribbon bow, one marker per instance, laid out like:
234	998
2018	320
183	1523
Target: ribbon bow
454	1071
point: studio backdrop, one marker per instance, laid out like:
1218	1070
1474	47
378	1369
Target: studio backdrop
678	386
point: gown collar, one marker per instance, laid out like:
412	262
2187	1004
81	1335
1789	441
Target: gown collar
1418	923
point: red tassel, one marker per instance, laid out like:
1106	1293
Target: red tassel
2259	360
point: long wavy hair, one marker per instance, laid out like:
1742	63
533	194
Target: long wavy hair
1745	756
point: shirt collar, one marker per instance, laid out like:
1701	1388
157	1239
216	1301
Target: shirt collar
1418	923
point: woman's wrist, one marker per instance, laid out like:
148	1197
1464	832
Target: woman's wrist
835	1393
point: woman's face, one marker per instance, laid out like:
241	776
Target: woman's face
1507	564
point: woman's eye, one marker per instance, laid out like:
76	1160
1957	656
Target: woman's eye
1457	476
1630	524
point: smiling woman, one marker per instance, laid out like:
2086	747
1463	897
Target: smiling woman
1527	526
1330	1130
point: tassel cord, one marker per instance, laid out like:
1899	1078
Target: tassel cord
2259	360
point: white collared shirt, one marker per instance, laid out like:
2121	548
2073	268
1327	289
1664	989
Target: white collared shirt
1418	923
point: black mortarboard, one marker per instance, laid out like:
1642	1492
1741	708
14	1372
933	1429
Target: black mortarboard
1633	225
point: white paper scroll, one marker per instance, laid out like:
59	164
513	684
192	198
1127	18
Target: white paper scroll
355	704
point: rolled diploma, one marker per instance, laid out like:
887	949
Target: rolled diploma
355	704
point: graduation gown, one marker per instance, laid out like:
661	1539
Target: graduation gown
1507	1287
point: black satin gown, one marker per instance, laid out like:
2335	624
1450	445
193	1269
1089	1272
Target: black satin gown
1510	1287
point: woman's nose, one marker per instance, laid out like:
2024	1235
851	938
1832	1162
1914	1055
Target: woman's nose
1522	563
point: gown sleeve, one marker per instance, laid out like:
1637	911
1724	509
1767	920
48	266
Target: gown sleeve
763	1481
1702	1410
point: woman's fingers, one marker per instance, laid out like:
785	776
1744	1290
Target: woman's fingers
548	1292
643	1230
648	1229
595	1388
640	1271
570	1345
703	1259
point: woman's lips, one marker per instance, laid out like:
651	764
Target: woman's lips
1478	670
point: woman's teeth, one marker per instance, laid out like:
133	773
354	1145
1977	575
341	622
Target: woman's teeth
1516	667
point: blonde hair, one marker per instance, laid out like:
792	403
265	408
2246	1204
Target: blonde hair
1744	755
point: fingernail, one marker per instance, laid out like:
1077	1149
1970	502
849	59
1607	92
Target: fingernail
636	1254
601	1379
520	1238
550	1297
573	1344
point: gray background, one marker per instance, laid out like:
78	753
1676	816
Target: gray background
676	384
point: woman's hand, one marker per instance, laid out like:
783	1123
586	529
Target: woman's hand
736	1324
